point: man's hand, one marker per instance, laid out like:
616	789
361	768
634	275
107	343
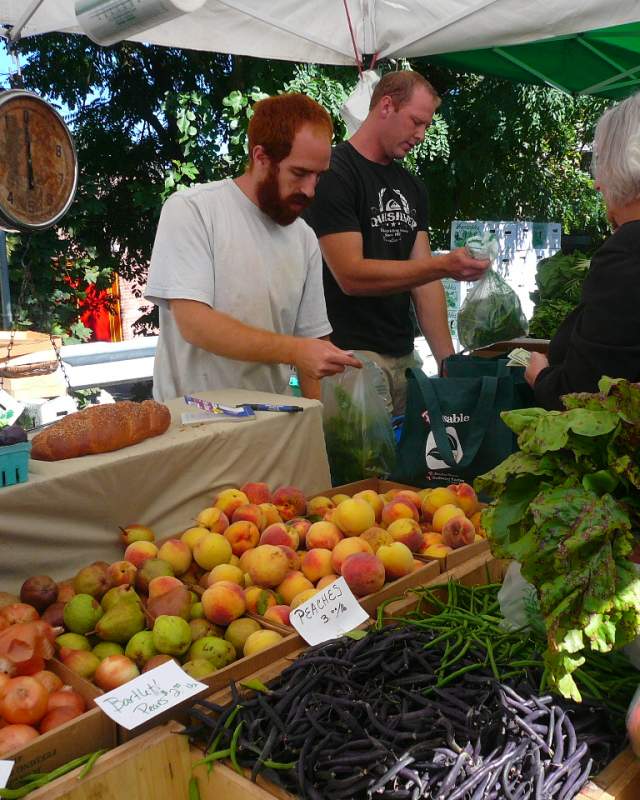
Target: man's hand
462	267
537	363
318	358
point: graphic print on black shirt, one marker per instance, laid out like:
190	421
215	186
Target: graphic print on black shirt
393	215
387	205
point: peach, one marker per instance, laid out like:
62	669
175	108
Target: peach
261	640
163	584
177	554
458	531
225	572
122	573
364	573
279	533
257	492
230	499
437	551
193	535
242	536
250	513
290	502
223	602
258	600
325	535
139	552
375	537
211	550
65	591
278	614
444	513
245	560
467	498
354	516
292	557
318	506
411	496
339	498
271	513
213	519
407	531
428	539
328	515
476	519
268	566
397	560
399	509
417	564
345	548
326	581
440	496
293	584
301	526
316	563
302	597
390	494
374	500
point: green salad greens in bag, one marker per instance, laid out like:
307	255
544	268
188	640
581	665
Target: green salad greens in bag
357	426
490	313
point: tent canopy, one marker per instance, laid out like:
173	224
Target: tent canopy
567	43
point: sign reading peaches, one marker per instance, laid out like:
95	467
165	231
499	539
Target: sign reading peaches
330	613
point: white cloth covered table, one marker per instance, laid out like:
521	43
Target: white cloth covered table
67	514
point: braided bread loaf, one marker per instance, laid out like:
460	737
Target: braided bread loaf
100	429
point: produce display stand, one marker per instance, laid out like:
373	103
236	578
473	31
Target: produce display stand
91	731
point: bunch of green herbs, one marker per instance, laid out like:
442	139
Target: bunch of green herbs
360	443
567	507
490	313
559	280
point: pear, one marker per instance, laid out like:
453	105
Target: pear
73	641
239	631
117	594
105	649
216	650
152	568
198	668
121	622
171	635
93	580
141	648
174	603
202	627
81	613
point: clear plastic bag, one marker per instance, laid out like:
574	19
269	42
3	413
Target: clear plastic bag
519	602
491	312
357	427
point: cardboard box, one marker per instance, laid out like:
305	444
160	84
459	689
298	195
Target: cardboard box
89	732
26	342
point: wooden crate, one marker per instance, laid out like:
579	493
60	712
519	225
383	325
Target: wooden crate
91	731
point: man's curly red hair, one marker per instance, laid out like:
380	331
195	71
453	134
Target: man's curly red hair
276	120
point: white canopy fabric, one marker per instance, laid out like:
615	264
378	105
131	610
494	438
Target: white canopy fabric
318	31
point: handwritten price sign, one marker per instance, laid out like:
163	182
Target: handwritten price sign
328	614
148	695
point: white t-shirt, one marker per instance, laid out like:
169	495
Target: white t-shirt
214	245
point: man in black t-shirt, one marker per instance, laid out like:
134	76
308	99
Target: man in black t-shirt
370	215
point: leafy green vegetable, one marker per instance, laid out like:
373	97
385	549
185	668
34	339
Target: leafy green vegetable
568	508
559	280
490	313
358	446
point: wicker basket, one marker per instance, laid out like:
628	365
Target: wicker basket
29	370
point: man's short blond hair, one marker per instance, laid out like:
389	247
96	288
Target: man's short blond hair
399	86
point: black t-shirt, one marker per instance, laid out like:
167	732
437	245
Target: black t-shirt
602	335
388	206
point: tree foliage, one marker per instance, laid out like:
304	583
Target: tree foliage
149	121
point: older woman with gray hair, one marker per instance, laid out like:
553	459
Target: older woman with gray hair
602	335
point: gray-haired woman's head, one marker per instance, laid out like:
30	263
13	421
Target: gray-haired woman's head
616	153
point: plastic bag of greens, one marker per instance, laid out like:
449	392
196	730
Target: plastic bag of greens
357	427
491	311
519	602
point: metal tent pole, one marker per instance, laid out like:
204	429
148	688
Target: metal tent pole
24	19
5	294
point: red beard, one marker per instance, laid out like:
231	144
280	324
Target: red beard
282	210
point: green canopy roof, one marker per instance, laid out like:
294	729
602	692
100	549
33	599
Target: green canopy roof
604	62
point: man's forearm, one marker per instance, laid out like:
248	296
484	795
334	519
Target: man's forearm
430	304
219	333
372	277
309	386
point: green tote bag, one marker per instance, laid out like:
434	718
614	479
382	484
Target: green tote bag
452	429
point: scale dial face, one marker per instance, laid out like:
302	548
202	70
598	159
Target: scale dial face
38	163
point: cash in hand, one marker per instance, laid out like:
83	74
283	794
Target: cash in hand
519	358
